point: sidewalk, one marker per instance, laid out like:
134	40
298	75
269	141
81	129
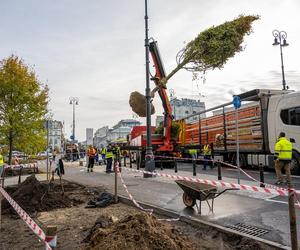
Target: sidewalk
258	210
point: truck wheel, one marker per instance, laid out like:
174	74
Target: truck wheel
243	161
295	164
188	201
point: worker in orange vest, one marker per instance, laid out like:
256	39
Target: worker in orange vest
91	154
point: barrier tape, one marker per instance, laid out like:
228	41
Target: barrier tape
26	218
216	183
150	211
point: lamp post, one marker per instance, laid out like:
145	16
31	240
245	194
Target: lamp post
280	39
150	164
73	101
173	100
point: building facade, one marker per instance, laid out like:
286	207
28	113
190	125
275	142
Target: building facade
185	107
56	136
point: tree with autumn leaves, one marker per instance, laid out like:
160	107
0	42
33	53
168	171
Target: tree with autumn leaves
23	107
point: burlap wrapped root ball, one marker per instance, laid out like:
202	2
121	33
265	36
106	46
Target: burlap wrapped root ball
137	101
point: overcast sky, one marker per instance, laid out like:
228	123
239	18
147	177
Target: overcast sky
94	50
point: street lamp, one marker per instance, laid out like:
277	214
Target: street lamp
173	99
150	163
73	101
280	39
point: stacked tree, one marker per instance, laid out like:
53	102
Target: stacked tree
209	50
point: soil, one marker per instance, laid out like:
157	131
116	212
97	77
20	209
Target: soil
138	231
117	226
35	196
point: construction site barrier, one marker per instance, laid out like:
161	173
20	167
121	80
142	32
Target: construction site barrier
27	165
26	218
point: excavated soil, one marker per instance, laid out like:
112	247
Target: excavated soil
35	196
138	231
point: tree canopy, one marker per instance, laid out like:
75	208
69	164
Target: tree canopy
23	107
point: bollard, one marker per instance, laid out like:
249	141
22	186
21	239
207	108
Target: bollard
219	170
124	160
130	160
116	182
20	173
161	164
261	175
51	236
175	166
194	167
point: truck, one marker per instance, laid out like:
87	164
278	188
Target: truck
263	115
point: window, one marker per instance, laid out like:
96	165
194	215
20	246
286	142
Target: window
291	116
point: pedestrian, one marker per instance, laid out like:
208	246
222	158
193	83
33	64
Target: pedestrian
207	154
1	163
283	155
109	158
103	153
91	154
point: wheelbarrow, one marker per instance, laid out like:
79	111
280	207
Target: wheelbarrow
194	191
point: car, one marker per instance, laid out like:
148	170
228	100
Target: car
44	153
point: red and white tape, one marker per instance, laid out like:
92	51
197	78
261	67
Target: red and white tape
28	165
26	218
150	211
222	184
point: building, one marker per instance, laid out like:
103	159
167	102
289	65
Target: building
89	136
118	132
185	107
56	136
100	137
159	119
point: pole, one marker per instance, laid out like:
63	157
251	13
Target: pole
73	121
219	171
292	214
116	182
150	164
282	68
237	144
261	175
47	175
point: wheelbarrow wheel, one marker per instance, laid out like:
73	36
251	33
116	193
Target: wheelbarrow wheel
188	201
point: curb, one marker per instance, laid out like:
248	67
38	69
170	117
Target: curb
201	223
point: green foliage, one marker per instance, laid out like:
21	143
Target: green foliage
23	107
214	46
175	129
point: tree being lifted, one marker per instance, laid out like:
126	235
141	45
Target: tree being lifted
23	106
209	50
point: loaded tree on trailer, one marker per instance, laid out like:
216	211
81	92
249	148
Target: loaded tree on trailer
265	114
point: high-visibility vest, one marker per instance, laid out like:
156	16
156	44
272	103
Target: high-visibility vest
103	151
109	154
91	152
283	149
206	150
192	151
1	160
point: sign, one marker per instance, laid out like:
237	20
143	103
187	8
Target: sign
236	101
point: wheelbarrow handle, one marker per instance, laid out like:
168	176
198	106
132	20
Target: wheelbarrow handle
223	191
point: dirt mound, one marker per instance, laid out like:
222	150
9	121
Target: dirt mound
34	196
139	231
137	101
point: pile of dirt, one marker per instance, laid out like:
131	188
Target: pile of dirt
35	196
138	231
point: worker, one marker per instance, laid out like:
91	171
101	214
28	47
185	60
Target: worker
91	154
103	153
206	154
283	155
193	153
1	163
109	159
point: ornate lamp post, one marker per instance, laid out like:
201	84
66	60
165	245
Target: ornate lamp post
280	39
73	101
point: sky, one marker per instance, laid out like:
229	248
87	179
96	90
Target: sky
94	50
